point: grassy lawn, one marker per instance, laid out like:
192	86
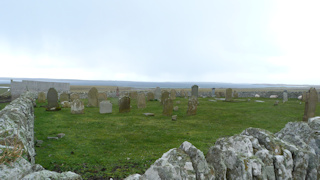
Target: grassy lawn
119	144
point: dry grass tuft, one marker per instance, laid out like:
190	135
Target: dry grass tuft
11	153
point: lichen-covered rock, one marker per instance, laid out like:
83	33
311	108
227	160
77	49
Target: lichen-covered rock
45	174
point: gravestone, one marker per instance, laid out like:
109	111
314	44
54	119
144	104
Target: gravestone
118	94
213	92
167	107
105	107
310	104
74	97
141	101
52	97
41	97
235	94
124	104
102	97
194	91
182	93
77	107
228	95
285	96
192	106
133	95
173	94
64	97
217	94
157	94
304	96
164	96
150	96
93	97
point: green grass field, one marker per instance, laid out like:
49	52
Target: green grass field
119	144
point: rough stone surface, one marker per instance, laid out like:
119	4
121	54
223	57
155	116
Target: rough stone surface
45	174
235	94
194	91
52	97
182	93
65	104
133	95
150	96
93	97
174	117
164	96
310	104
102	97
64	97
141	101
41	97
74	96
77	107
173	94
157	93
124	104
229	95
105	107
167	107
192	106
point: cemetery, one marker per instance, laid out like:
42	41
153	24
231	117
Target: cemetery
164	134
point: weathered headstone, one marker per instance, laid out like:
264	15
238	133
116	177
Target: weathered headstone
164	96
235	94
105	107
213	92
124	104
74	97
192	106
167	107
157	94
304	96
285	96
310	104
77	107
141	101
217	94
228	95
64	97
52	97
41	97
93	97
182	93
173	94
194	91
118	92
150	96
102	97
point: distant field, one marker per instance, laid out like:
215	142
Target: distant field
101	146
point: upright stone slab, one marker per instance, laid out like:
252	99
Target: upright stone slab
194	91
77	107
141	101
157	94
192	106
74	96
52	97
235	94
173	94
164	96
182	93
310	104
228	95
124	104
150	96
105	107
285	96
93	97
213	92
304	96
41	97
167	107
133	95
64	97
118	92
102	97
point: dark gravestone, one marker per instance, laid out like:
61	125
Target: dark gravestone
64	97
93	97
164	96
52	97
124	104
310	104
167	107
192	106
150	96
194	91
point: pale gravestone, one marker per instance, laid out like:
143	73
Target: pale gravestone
194	91
41	97
133	95
150	96
124	104
164	96
213	92
102	97
157	94
74	97
93	97
52	97
77	107
192	106
182	93
118	92
173	94
167	107
228	95
285	96
310	104
105	107
141	101
64	97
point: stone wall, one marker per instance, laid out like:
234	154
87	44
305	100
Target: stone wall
17	130
267	94
18	88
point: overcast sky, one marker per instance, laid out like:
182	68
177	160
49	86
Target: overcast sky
256	41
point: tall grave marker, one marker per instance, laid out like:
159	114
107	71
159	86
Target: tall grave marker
93	97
